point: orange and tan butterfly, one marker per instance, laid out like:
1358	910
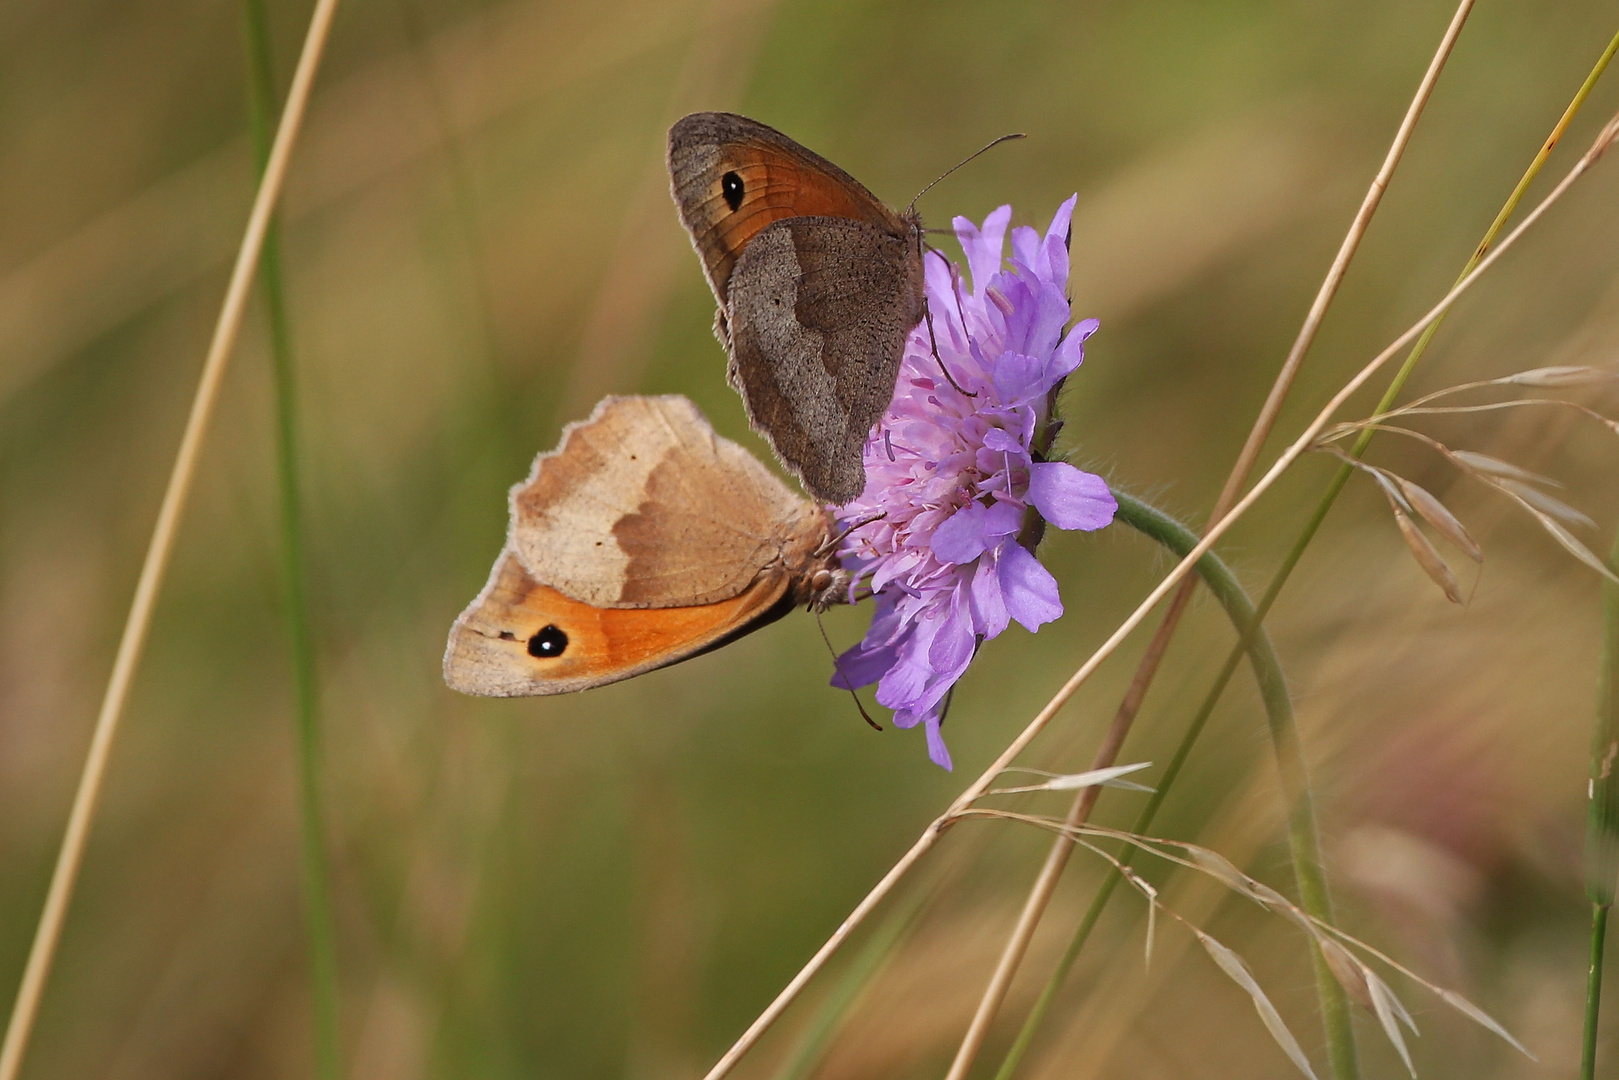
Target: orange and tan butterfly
817	281
644	539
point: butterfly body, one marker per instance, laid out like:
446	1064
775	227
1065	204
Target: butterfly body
642	540
817	284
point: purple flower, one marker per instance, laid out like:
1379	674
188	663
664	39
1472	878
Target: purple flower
956	488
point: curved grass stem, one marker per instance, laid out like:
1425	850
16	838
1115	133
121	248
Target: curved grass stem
1304	844
1054	983
319	924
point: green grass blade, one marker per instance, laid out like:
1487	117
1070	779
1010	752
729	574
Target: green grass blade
1602	821
295	609
1303	838
1284	571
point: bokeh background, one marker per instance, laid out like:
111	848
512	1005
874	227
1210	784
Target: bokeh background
479	244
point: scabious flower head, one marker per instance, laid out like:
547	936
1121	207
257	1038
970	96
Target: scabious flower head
956	482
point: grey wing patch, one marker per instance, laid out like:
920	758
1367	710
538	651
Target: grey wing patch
819	311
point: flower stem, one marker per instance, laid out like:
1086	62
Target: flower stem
1602	820
1228	669
1593	992
1304	842
295	610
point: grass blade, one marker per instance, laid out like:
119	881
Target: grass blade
1560	375
131	644
1382	1004
320	925
1495	467
1602	814
1427	556
1438	515
1232	965
1543	502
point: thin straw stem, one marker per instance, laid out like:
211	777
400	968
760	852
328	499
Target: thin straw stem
1340	1034
1218	529
130	645
1093	913
322	935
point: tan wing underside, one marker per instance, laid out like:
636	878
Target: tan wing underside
780	179
643	505
488	648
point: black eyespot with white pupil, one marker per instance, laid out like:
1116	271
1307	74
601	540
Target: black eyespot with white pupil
731	187
548	644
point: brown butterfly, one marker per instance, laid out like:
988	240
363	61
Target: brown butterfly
642	540
818	284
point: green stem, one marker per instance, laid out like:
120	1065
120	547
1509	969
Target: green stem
1602	819
1303	837
1593	992
1335	486
295	610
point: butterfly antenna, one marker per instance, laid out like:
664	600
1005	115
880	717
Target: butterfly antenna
987	146
864	715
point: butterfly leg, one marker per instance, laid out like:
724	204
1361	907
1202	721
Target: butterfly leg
864	715
927	317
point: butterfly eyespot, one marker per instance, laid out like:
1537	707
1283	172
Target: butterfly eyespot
731	187
548	644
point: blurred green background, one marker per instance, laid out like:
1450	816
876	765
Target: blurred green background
478	244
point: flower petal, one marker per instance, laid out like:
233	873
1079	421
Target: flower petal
1019	377
989	609
952	646
1070	498
1055	248
964	536
983	247
1028	588
937	751
1071	353
1026	246
863	665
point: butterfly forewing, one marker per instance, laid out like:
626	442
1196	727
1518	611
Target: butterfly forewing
817	284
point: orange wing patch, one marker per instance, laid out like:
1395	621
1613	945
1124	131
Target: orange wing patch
522	637
773	187
779	179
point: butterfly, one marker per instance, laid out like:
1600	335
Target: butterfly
644	539
818	284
